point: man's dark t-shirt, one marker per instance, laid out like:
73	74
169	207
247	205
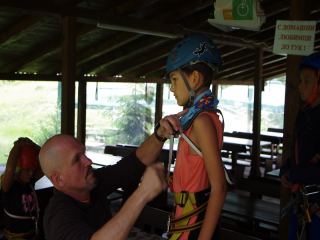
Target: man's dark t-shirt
67	218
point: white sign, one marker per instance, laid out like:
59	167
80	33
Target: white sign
294	37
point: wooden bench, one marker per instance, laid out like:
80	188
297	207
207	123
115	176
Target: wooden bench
279	130
238	170
267	160
154	220
250	216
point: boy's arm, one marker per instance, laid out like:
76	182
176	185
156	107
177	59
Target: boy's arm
11	165
205	134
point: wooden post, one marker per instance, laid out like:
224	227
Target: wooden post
159	102
82	109
299	10
258	83
214	89
68	74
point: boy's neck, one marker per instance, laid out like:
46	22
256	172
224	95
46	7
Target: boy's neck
316	102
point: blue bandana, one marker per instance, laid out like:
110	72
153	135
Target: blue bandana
203	101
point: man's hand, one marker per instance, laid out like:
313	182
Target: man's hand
285	181
153	181
169	122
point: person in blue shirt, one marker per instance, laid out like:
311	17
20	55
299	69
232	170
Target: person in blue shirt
301	172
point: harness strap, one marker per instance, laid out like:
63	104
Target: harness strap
17	236
314	208
181	198
18	217
190	214
186	228
35	218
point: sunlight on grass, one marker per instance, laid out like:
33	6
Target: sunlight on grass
22	105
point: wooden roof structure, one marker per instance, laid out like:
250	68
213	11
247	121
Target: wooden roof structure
59	40
32	38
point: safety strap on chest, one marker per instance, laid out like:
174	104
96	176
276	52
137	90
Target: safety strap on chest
34	218
229	177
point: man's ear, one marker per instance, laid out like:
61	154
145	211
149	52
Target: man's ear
56	179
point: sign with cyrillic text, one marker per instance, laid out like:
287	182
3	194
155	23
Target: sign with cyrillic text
294	37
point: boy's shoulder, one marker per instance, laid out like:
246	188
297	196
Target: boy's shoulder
205	119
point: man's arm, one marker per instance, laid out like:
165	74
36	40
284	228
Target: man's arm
120	225
151	148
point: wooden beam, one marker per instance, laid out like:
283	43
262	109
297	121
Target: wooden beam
82	110
30	77
159	102
106	46
42	52
258	85
135	68
68	75
19	30
130	24
98	64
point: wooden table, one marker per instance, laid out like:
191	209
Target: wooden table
103	159
243	143
273	134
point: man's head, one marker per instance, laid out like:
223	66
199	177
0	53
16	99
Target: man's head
63	161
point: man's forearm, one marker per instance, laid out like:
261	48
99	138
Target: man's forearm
120	225
149	150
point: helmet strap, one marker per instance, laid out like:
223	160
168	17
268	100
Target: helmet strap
314	93
192	93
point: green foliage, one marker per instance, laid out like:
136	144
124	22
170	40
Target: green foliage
48	126
133	116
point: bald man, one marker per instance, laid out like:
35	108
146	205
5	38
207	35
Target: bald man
79	208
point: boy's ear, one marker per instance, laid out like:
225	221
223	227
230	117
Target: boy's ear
196	78
56	179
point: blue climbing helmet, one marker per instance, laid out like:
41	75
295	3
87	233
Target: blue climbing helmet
313	60
192	50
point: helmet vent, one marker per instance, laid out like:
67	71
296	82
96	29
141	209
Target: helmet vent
174	58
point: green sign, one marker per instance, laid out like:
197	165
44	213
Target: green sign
242	9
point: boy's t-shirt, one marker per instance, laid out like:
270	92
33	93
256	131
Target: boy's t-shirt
190	172
20	200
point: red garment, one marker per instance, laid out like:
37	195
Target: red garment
190	172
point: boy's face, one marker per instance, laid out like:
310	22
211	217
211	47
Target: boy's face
308	80
179	88
26	174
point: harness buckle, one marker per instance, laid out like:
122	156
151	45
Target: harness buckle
183	198
192	96
169	223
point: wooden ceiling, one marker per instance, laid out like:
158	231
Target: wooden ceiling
31	38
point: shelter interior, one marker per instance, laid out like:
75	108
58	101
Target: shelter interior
129	41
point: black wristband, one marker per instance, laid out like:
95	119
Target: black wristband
156	134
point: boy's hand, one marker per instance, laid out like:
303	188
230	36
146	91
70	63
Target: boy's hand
284	180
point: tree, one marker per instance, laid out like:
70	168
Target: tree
133	115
